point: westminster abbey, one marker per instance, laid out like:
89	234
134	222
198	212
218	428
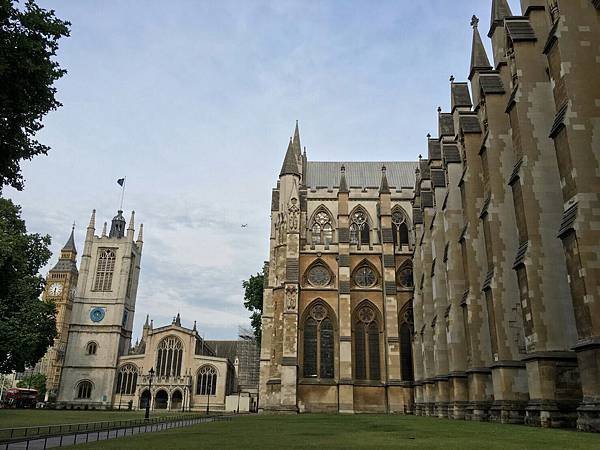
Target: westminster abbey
466	284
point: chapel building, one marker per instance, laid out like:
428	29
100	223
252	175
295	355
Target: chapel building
502	241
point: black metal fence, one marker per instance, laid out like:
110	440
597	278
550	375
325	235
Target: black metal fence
48	436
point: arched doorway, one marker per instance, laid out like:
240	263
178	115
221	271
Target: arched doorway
176	400
145	399
161	399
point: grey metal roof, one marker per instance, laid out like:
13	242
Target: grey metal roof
491	84
326	174
290	163
438	177
70	245
520	30
65	265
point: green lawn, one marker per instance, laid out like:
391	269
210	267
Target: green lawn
359	431
32	417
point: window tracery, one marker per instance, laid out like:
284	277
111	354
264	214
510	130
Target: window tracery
319	275
364	276
319	343
367	365
359	228
400	227
84	389
169	356
127	379
321	229
404	276
206	383
91	348
104	270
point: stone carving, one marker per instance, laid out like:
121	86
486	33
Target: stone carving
290	297
293	215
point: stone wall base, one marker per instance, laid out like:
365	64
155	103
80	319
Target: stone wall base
508	411
551	414
589	417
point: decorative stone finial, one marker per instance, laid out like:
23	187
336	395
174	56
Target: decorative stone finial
474	21
439	110
452	78
104	230
428	135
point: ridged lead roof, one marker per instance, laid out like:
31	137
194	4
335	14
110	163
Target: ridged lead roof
367	174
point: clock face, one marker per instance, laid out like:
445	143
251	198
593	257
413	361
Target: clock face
55	289
97	314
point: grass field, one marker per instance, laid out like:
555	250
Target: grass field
10	418
351	432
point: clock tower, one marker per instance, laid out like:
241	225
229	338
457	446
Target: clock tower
60	290
103	310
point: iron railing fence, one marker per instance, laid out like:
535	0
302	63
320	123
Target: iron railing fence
21	433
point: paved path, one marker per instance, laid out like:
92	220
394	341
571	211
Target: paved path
93	436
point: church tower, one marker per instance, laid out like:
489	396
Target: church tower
103	310
61	284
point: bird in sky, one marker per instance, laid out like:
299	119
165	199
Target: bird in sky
244	225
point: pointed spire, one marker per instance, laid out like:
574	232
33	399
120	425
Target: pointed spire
70	245
384	187
500	10
92	224
343	183
141	233
151	324
194	328
296	141
290	163
104	230
131	221
177	320
479	58
147	320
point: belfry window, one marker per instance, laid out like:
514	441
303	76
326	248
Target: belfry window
366	345
104	270
84	390
168	359
318	344
400	228
321	230
206	384
91	348
359	229
127	379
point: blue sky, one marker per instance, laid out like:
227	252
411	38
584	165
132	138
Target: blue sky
194	101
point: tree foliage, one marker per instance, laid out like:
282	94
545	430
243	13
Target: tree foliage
29	38
35	381
253	301
27	325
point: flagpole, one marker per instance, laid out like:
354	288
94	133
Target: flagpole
123	193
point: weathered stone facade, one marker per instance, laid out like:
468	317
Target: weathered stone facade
504	240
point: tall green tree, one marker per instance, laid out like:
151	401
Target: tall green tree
35	381
27	325
29	38
253	301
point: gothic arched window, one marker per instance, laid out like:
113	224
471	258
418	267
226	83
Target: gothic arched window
367	365
84	389
321	229
400	227
318	343
404	276
406	331
319	275
206	383
364	276
359	228
104	270
168	359
91	348
127	379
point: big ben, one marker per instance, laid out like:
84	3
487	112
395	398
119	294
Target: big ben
60	289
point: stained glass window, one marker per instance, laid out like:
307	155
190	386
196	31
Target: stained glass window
319	275
206	383
364	276
367	364
322	230
319	344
